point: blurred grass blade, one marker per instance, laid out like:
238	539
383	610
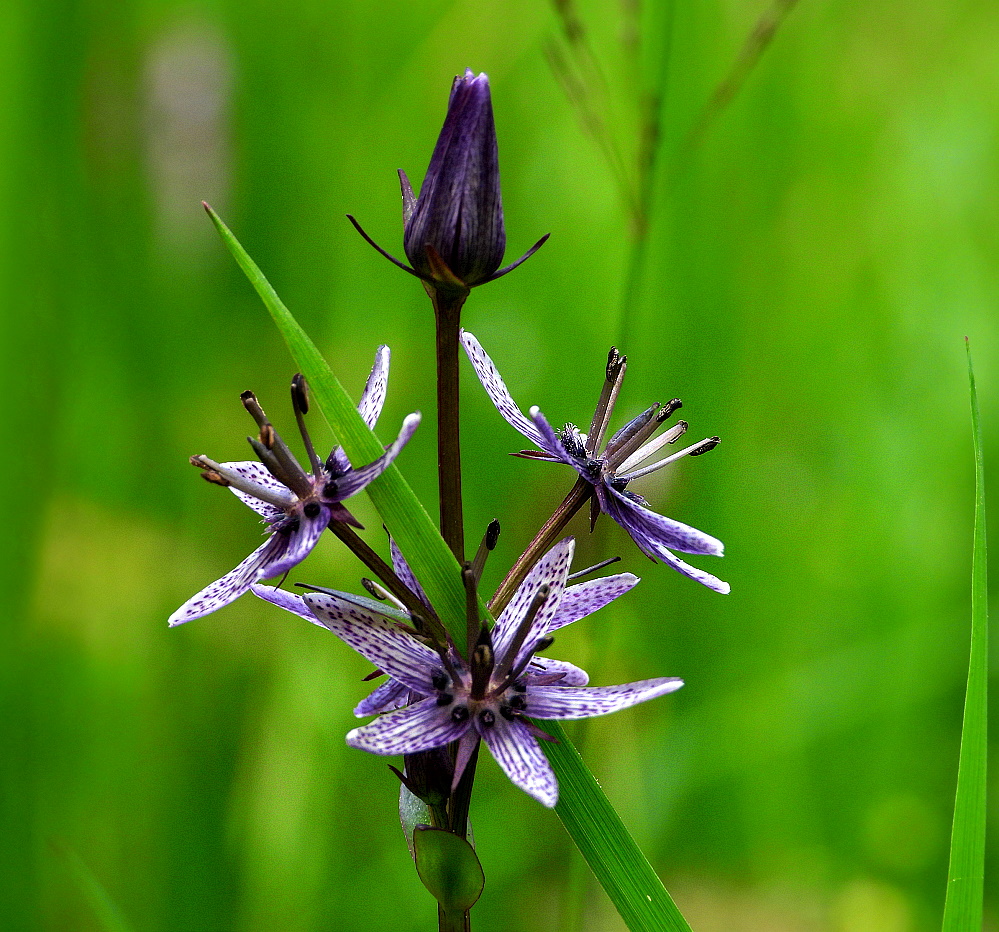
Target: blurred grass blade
109	917
966	874
612	854
588	816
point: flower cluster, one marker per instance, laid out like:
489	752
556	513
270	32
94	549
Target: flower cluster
500	683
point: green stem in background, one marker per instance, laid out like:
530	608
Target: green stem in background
447	308
966	871
545	538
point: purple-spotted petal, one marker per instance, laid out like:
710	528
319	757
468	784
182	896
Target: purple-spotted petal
373	397
379	639
298	543
418	727
517	752
648	525
357	479
652	547
289	601
255	472
587	597
405	574
553	444
386	698
544	669
551	570
231	586
493	383
588	701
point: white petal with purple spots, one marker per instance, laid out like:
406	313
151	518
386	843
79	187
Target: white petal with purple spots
588	701
387	697
356	479
379	639
493	383
517	752
373	397
587	597
418	727
544	669
289	601
298	543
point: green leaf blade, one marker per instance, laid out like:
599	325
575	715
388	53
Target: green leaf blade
608	848
966	872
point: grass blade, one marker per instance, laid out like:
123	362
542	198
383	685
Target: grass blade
597	830
966	873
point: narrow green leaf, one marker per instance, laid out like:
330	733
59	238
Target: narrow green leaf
612	854
588	816
966	874
448	868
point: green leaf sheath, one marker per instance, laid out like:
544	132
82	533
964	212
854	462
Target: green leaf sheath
966	873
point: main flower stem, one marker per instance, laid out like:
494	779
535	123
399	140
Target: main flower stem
447	307
578	495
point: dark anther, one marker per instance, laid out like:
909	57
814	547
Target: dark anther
593	470
329	490
311	510
373	589
544	643
267	436
445	699
705	445
614	361
487	717
492	534
508	713
213	477
669	409
300	393
459	714
518	702
247	396
439	680
618	484
518	686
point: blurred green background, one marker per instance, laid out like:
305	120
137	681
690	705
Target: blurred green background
814	259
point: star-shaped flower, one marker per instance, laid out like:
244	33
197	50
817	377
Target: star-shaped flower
609	469
295	504
493	695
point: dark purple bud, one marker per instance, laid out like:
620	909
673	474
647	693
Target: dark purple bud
458	217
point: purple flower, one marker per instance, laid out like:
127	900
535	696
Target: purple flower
495	694
296	505
453	232
609	468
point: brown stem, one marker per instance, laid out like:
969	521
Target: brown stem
447	307
387	575
577	497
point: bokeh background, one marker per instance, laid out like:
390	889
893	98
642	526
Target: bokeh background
820	240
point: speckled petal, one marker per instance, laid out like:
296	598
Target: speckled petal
299	543
389	696
651	526
588	701
418	727
517	752
545	667
289	601
405	574
587	597
378	639
373	397
552	569
355	480
493	383
231	586
631	516
256	473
